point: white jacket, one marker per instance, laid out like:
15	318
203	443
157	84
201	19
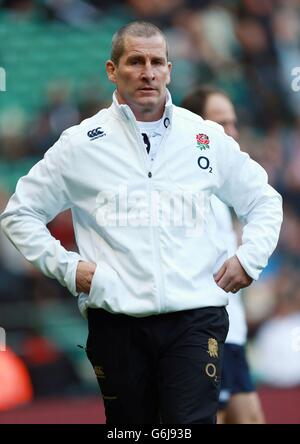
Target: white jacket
143	268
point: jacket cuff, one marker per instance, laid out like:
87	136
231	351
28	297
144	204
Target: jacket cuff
70	277
252	271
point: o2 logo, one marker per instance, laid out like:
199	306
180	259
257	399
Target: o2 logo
296	81
204	164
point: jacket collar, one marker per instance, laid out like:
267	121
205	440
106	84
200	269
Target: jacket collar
124	111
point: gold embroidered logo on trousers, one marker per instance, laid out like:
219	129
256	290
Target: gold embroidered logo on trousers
212	348
99	372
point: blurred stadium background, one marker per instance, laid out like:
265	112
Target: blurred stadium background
53	53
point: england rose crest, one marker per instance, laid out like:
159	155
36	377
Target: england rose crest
202	141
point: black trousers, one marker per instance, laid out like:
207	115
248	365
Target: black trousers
158	369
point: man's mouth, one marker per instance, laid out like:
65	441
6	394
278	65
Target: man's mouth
147	88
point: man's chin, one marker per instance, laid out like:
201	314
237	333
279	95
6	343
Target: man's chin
148	102
148	105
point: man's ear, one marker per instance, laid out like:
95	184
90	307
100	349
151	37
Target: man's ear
111	71
169	76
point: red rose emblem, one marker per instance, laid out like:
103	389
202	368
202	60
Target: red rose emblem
203	139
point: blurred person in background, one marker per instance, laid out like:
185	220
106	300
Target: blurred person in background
276	347
156	313
239	402
15	383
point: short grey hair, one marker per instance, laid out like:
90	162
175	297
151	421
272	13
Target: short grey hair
134	29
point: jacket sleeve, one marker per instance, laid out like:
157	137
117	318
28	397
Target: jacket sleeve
38	198
244	186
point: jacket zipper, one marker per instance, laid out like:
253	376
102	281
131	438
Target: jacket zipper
154	229
155	235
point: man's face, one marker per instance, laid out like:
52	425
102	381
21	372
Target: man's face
142	75
219	109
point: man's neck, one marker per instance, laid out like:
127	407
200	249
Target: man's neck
148	115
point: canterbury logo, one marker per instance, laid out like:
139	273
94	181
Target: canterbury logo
96	133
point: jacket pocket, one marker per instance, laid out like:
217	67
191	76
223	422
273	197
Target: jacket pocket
105	288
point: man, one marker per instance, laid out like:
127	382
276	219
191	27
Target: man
148	248
239	403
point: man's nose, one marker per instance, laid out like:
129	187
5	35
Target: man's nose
148	72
